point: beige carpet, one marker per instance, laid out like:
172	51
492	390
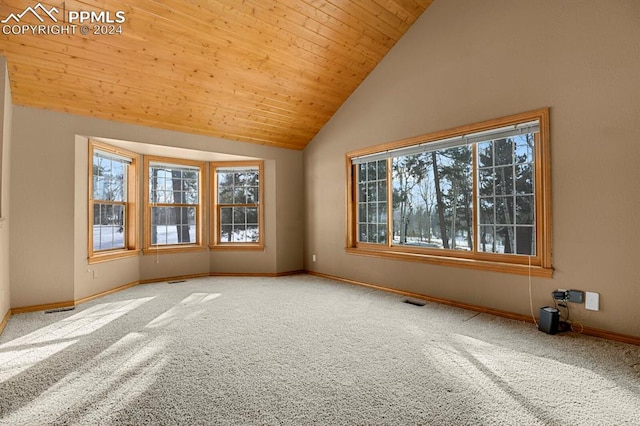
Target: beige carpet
302	350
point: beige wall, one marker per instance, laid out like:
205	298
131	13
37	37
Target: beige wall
466	61
5	143
49	202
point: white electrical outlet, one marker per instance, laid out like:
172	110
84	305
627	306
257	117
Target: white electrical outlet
592	301
313	257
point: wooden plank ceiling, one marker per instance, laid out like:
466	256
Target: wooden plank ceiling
263	71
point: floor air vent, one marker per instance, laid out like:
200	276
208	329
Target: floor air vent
53	311
176	281
415	302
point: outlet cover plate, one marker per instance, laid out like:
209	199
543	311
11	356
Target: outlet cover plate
592	301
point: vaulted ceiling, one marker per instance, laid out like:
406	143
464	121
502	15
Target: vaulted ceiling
264	71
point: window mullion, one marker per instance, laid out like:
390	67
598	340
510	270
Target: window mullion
539	197
352	237
389	203
474	197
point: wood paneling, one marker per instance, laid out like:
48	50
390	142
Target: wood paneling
267	72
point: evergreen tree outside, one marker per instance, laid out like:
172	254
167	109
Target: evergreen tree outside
506	195
238	201
433	197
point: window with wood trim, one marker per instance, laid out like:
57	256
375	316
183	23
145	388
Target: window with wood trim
476	196
173	207
113	217
237	209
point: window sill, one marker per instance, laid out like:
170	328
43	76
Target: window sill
173	249
114	255
238	247
484	265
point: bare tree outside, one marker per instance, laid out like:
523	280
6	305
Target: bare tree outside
432	199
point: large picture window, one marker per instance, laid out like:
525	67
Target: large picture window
112	202
173	203
476	196
237	205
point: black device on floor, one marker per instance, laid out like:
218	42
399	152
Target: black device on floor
549	318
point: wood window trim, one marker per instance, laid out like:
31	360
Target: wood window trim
214	238
539	265
132	247
148	248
